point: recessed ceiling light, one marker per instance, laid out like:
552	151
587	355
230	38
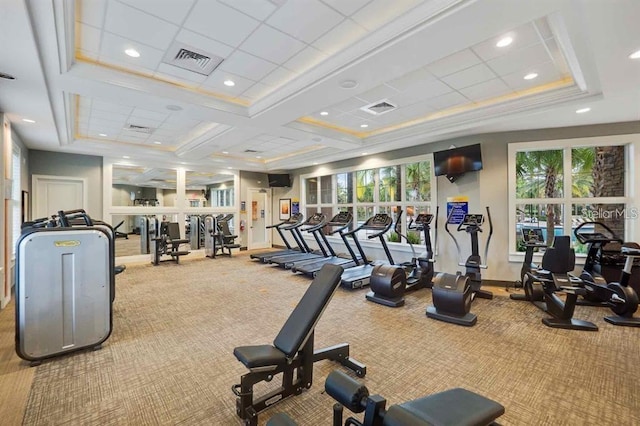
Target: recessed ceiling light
132	52
364	153
257	156
125	156
504	41
157	142
229	167
364	125
583	110
102	134
225	152
229	83
28	120
324	113
530	76
348	84
635	55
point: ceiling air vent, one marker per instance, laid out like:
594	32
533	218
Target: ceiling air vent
139	129
251	151
379	108
191	58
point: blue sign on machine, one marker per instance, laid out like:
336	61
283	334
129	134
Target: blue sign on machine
457	207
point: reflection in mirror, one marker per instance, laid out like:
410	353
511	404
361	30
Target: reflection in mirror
209	189
143	186
134	231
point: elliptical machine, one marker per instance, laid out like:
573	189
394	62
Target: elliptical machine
452	294
389	283
533	239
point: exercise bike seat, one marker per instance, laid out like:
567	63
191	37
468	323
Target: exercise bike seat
260	356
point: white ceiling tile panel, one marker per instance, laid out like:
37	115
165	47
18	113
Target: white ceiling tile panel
204	43
407	81
145	122
220	22
469	77
305	20
349	105
169	10
138	26
145	113
248	66
271	44
520	60
378	93
343	35
89	38
486	90
416	110
379	12
346	7
453	63
542	25
113	47
558	57
258	90
94	56
523	36
216	81
100	105
424	89
258	9
447	101
547	73
304	60
278	77
92	12
179	73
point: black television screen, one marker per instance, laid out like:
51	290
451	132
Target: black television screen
457	161
279	180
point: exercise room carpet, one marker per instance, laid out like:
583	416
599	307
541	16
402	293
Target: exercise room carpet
170	358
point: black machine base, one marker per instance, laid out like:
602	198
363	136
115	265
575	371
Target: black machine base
623	321
394	302
467	320
570	324
519	296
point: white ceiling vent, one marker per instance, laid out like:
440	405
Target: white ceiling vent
379	107
191	58
251	151
138	129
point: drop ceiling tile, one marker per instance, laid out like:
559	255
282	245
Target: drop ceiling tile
488	89
447	101
305	20
89	38
349	105
258	9
220	22
278	77
347	8
204	43
304	60
416	110
113	47
558	57
343	35
246	65
145	113
378	93
421	90
271	44
453	63
547	73
520	60
138	26
350	121
257	91
469	77
106	120
92	12
542	25
216	81
169	10
180	74
409	80
100	105
523	36
379	12
144	122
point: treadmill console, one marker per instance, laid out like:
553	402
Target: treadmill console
472	220
316	219
424	219
341	218
379	221
295	218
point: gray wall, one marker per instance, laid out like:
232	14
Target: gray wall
75	165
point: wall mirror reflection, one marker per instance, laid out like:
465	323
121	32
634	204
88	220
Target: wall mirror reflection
143	186
209	189
133	232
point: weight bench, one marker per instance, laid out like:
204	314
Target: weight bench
292	352
454	407
168	243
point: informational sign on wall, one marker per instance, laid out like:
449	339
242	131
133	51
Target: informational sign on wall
295	207
457	207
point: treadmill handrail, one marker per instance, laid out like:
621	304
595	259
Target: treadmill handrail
387	226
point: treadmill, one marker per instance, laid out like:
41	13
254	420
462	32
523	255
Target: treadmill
359	276
313	225
340	222
288	225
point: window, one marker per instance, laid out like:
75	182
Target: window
222	197
557	185
16	197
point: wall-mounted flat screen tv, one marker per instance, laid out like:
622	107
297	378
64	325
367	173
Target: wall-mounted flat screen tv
457	161
279	180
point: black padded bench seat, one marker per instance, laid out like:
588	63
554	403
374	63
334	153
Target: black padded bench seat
454	407
260	356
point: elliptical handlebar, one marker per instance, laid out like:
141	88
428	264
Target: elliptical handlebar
486	247
455	240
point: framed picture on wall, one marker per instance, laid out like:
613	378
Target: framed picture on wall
285	208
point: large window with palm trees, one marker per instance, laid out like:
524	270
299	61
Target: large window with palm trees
558	185
403	185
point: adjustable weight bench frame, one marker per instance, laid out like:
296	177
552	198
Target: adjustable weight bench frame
292	352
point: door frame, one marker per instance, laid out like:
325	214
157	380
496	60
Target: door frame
267	218
36	198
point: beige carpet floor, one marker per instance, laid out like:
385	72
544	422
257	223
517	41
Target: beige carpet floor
170	358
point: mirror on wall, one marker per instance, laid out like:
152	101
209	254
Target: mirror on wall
143	186
134	231
209	189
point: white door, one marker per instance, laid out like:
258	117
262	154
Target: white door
54	193
258	235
